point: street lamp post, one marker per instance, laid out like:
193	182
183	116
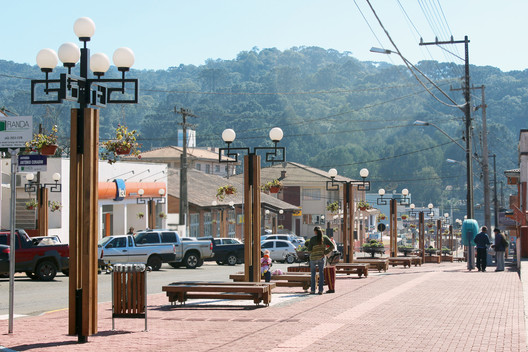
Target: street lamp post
252	207
90	93
41	191
393	225
151	205
348	207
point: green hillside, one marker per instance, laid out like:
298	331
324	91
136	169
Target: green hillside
335	112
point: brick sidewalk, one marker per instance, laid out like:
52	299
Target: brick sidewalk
436	307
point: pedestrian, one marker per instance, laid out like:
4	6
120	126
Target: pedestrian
319	246
131	231
265	266
500	247
330	269
482	242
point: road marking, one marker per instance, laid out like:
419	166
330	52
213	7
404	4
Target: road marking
53	311
6	316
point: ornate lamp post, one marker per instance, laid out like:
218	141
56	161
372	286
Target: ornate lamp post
252	208
151	202
41	190
89	91
393	225
348	207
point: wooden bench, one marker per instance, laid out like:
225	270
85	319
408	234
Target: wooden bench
416	260
285	280
459	259
341	268
353	268
433	259
375	263
447	258
405	261
256	291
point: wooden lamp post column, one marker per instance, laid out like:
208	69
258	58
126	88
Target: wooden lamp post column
451	237
89	93
421	231
252	208
393	228
348	207
439	234
43	212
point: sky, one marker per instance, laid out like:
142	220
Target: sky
165	33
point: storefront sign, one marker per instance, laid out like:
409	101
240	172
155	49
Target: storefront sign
15	131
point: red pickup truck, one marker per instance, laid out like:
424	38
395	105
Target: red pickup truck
39	262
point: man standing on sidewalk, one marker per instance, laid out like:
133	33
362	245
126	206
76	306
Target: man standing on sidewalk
482	242
500	247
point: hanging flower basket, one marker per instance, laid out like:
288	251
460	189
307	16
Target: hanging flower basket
429	225
140	215
45	144
362	205
333	207
272	186
404	217
49	150
224	191
280	227
162	215
55	206
382	217
32	204
124	143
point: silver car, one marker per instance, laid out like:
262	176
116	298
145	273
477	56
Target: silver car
280	250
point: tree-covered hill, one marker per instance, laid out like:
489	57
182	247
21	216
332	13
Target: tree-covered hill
335	111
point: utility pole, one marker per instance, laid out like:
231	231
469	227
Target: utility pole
184	203
467	112
496	199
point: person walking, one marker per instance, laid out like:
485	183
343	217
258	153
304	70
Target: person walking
330	269
319	246
482	242
500	247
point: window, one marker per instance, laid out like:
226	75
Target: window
232	225
208	217
207	169
130	242
217	169
119	242
195	225
281	244
198	167
168	237
267	245
311	193
147	237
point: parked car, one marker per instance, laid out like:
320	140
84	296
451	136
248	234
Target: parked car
38	262
280	250
226	250
188	253
285	237
188	238
123	249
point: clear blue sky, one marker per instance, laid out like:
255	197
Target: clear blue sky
168	33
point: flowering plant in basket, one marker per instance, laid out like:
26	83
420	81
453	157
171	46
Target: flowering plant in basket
55	206
362	205
124	143
31	204
45	144
223	191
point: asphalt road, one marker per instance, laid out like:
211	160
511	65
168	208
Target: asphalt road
37	297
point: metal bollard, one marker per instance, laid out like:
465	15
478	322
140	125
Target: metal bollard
129	292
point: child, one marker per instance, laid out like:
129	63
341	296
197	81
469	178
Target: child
265	266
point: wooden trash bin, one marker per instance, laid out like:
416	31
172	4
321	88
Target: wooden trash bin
129	292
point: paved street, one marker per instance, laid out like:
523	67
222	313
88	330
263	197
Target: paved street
436	307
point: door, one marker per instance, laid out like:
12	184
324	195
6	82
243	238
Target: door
281	250
116	251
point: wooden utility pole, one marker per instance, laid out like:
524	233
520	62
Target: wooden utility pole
467	113
252	217
421	224
184	203
393	227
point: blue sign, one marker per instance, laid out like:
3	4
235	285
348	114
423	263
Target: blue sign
120	189
32	163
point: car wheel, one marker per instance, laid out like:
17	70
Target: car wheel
31	275
175	265
290	259
200	263
191	260
4	275
232	259
219	262
67	272
46	270
154	261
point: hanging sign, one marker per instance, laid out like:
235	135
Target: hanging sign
32	163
